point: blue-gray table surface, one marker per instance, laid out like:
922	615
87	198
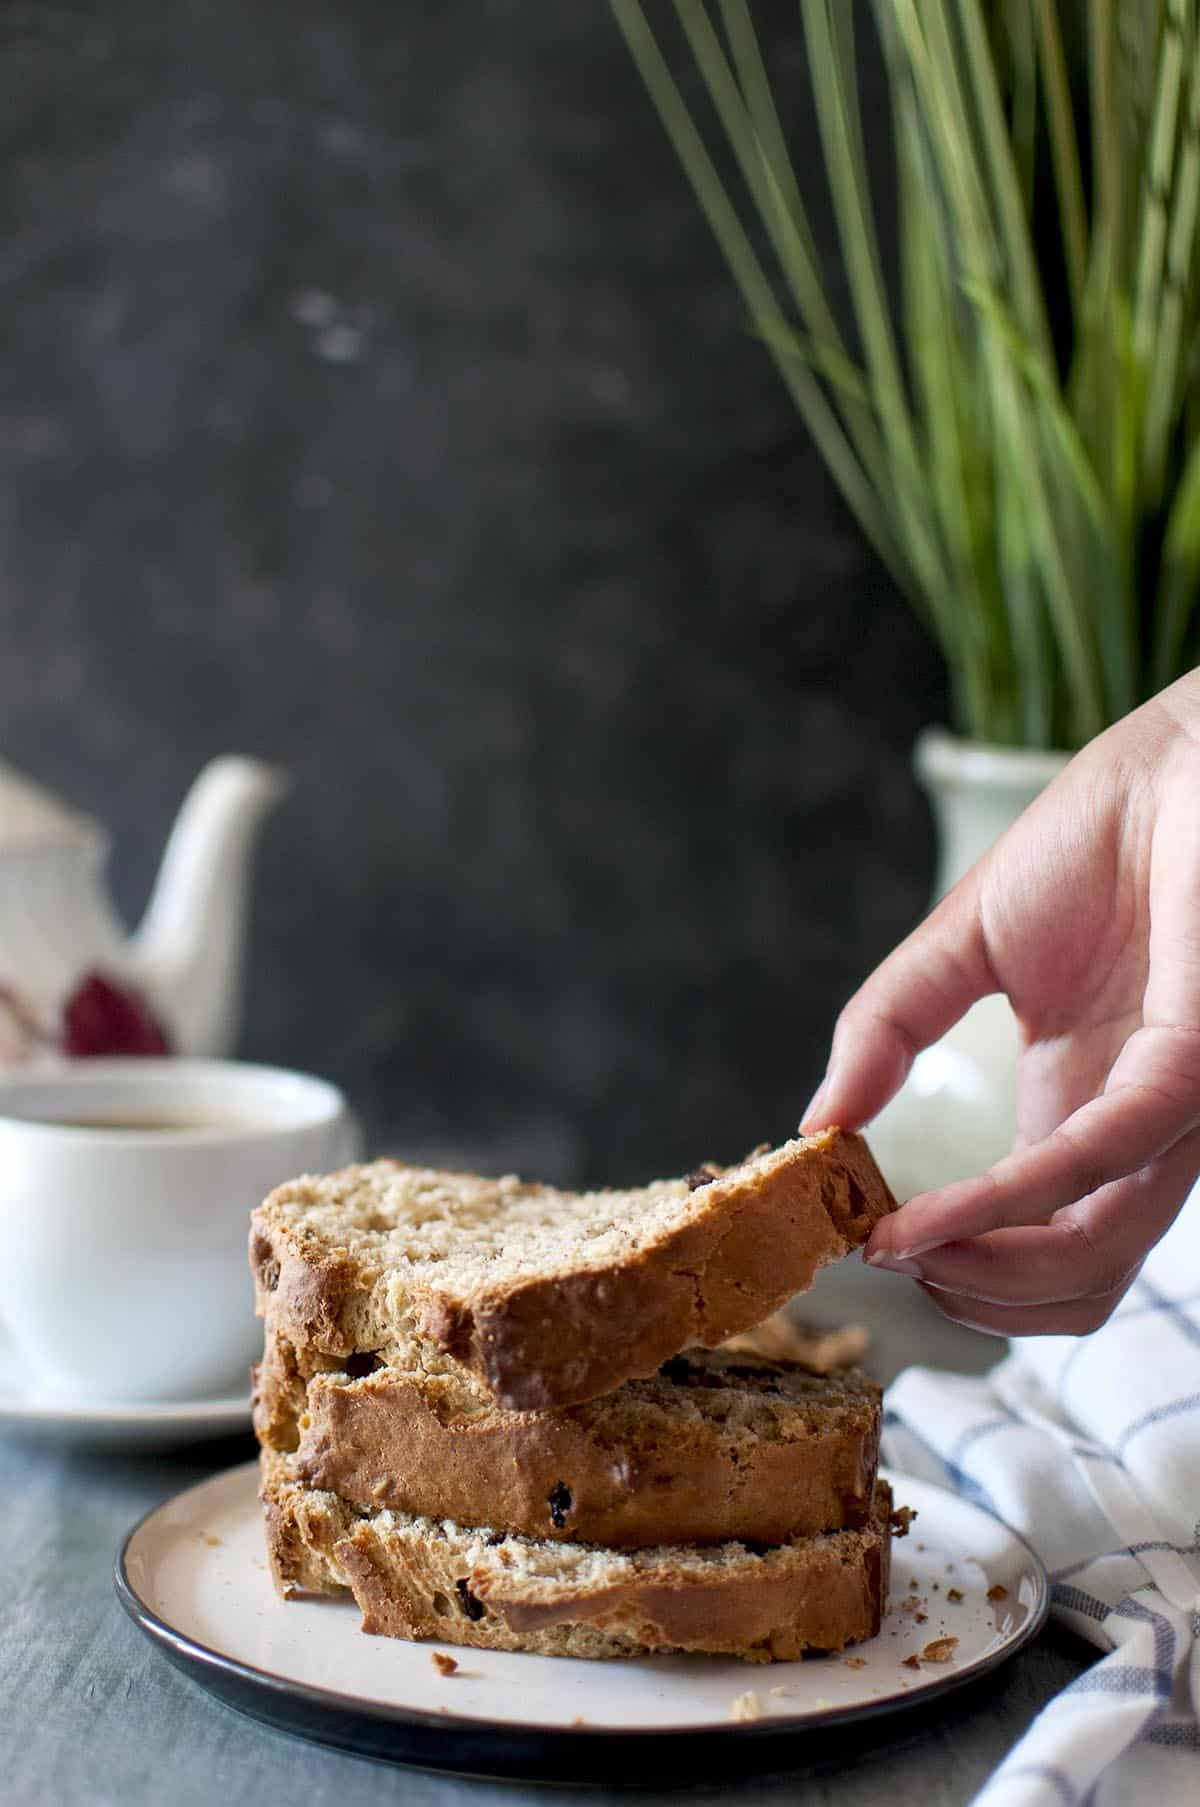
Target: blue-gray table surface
93	1714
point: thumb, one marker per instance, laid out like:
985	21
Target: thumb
920	990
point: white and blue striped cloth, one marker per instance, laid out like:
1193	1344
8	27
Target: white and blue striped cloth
1091	1450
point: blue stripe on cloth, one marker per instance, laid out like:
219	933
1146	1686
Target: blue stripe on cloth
1058	1779
1067	1371
1129	1549
1156	1301
987	1429
1164	1631
1176	1407
1118	1680
967	1484
1091	1452
1173	1309
1074	1599
1174	1737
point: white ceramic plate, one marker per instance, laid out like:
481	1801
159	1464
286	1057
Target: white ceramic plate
193	1576
60	1418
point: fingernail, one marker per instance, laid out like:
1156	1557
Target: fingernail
812	1118
895	1264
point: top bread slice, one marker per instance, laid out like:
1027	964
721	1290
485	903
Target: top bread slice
554	1298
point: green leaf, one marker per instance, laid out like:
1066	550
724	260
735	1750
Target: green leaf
1081	518
1064	148
757	291
1179	586
1024	490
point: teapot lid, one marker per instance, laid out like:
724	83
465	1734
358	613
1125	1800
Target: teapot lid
33	817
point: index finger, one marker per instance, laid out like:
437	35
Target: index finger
919	992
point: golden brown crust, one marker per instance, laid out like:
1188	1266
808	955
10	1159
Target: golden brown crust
301	1533
820	1594
560	1338
713	1450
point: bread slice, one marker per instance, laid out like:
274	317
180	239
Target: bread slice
418	1577
553	1298
715	1446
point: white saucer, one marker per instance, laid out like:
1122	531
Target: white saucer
193	1576
157	1424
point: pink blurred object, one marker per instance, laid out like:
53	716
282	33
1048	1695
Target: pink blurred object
101	1017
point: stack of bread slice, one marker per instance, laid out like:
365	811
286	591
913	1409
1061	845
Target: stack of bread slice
501	1415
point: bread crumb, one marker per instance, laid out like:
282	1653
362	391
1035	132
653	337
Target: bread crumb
955	1594
747	1706
579	1719
445	1665
856	1662
911	1662
211	1540
782	1692
911	1604
939	1650
921	1617
997	1592
781	1338
902	1518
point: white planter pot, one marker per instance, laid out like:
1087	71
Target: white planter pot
954	1116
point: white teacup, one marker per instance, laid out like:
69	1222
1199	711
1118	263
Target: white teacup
125	1193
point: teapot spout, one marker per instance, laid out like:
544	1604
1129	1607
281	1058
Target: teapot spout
188	951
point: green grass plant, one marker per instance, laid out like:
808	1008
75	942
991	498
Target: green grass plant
1015	420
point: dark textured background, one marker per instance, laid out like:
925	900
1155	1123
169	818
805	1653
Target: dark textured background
373	398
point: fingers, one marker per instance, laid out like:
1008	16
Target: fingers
1173	984
1053	1265
1066	1273
1079	1317
923	988
1151	1102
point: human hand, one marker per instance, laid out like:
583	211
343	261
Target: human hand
1086	914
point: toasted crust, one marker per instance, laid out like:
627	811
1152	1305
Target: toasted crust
722	1259
421	1578
717	1447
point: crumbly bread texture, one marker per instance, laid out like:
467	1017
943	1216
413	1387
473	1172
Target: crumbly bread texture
553	1298
715	1446
430	1578
781	1337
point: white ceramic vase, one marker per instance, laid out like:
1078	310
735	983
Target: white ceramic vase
954	1117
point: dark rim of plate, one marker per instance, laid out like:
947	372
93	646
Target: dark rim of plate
531	1750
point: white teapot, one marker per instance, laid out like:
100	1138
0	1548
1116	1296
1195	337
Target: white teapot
58	924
